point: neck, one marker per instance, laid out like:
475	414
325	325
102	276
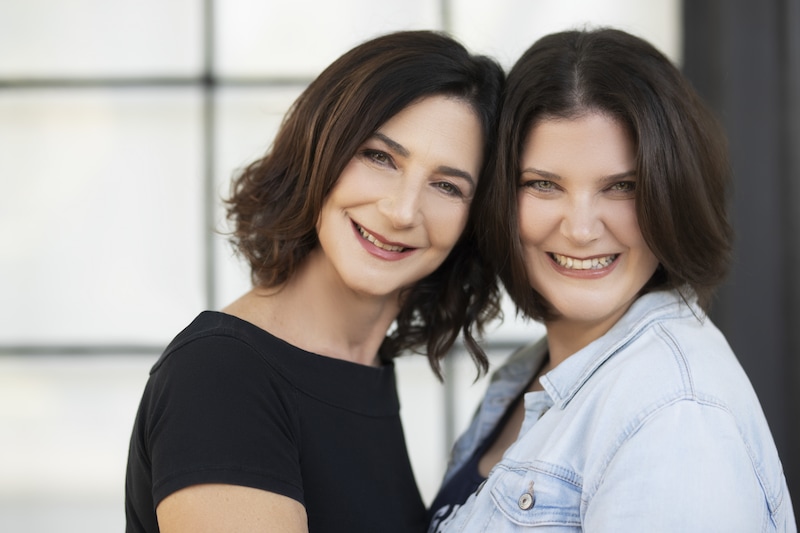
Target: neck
564	338
320	316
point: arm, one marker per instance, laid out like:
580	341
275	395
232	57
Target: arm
217	508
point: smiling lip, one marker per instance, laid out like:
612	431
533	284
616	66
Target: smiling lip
377	246
584	267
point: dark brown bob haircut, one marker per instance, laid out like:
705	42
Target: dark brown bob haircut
275	201
683	173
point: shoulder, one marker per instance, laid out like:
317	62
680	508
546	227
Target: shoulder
678	392
216	411
216	364
687	357
673	363
680	353
214	341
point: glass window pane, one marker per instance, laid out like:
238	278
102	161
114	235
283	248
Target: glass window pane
506	28
247	120
56	38
65	423
101	210
302	37
422	411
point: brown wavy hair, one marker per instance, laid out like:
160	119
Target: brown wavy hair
276	200
683	172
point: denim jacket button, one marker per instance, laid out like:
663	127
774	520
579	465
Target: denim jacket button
526	501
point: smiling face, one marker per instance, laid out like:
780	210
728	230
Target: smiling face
584	251
401	203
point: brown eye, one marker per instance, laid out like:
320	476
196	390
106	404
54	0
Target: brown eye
540	185
624	186
449	188
380	157
376	156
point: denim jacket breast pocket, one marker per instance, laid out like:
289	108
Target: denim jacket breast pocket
547	498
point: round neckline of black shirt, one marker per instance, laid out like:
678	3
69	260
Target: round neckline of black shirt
367	390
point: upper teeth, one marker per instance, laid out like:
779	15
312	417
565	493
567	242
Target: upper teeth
584	264
383	246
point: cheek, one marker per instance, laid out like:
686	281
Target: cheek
628	226
330	204
446	223
322	214
356	182
531	220
634	239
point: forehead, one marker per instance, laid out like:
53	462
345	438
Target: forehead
429	109
590	143
440	127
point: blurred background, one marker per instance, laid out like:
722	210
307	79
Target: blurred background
122	121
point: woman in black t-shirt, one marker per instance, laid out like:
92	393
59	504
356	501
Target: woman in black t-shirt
280	412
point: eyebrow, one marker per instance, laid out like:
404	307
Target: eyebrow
550	176
394	145
444	169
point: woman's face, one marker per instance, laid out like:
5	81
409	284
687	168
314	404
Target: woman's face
402	201
584	251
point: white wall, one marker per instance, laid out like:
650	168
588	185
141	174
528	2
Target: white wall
102	209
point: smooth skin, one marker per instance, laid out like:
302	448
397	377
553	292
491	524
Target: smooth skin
216	508
584	250
394	215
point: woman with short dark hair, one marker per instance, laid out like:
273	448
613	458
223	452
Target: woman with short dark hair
280	413
608	223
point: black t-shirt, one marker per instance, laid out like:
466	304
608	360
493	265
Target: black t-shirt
228	402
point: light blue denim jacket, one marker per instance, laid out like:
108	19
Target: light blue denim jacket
654	427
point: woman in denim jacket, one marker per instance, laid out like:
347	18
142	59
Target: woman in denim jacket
608	223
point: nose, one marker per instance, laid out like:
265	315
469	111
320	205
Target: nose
582	223
402	204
